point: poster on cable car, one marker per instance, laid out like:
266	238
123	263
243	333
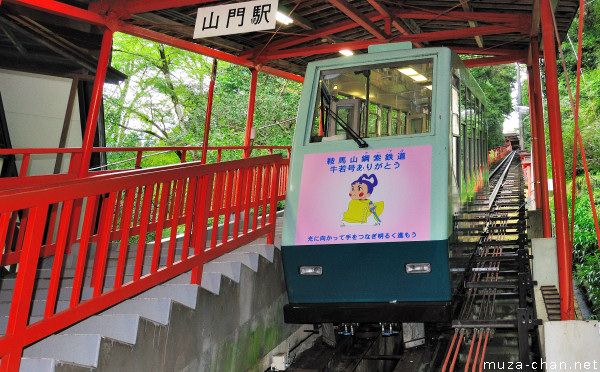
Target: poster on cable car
365	196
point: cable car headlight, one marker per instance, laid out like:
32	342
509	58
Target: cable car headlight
418	268
311	270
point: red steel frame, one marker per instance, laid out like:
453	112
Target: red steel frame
211	91
537	111
95	103
199	193
250	117
563	244
534	141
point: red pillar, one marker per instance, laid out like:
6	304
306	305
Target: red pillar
96	103
534	141
211	89
250	117
541	150
563	244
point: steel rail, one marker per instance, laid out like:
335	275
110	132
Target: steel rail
476	321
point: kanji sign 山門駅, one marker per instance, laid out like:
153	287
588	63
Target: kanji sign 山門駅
235	18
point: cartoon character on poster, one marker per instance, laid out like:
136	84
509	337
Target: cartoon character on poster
361	210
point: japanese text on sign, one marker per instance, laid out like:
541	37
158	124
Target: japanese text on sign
235	18
365	163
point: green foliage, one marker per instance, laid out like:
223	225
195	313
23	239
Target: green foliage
587	274
586	257
589	108
496	82
163	103
591	38
584	238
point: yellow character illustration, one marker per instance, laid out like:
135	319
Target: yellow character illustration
361	210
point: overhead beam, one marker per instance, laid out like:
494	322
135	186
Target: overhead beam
382	9
535	19
309	36
64	10
183	30
298	19
143	6
362	44
196	48
358	17
467	8
500	60
376	16
462	16
71	12
486	51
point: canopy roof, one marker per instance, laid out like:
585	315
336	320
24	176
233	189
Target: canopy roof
33	34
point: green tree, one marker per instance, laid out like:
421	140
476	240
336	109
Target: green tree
496	82
589	106
163	102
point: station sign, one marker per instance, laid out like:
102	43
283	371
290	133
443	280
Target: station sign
235	18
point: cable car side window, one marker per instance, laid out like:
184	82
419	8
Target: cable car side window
374	101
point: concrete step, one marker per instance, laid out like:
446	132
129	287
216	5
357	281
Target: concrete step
263	249
78	349
185	294
78	346
157	310
120	327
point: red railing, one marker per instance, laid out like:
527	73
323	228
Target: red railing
105	214
134	161
499	153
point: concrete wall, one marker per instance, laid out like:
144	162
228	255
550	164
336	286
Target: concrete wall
233	331
572	345
35	107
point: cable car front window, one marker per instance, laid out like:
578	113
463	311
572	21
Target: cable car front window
384	100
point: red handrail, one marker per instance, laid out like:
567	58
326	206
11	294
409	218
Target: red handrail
113	208
25	154
498	153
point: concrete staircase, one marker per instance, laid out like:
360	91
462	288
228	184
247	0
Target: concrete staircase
227	324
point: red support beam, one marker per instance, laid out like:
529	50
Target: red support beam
136	6
211	90
500	60
308	36
196	48
62	9
376	16
358	17
283	74
486	51
541	154
563	244
534	140
250	117
95	103
383	10
143	6
362	44
463	16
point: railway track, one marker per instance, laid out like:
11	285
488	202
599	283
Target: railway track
495	320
